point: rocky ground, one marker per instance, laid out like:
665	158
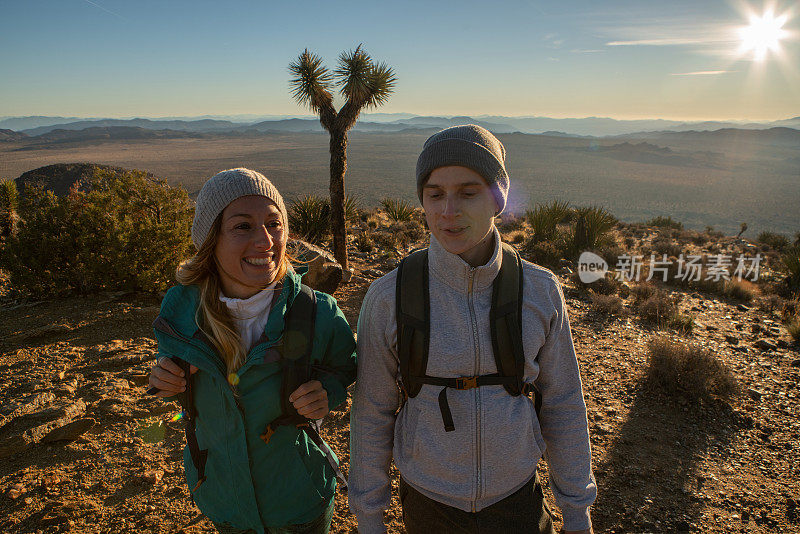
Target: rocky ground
83	449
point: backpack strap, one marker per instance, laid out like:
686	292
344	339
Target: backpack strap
186	400
412	309
295	356
412	301
296	369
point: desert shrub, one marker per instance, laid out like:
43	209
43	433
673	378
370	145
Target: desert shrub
793	327
740	290
611	252
665	222
665	245
516	237
592	226
790	265
510	222
688	371
770	303
397	209
127	232
364	243
607	304
682	322
545	218
309	218
9	199
774	240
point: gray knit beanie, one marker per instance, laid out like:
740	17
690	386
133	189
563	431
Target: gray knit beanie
466	146
222	189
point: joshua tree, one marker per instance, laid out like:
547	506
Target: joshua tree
363	83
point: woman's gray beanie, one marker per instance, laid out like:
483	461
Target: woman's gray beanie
222	189
468	146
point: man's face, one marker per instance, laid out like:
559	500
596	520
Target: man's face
460	210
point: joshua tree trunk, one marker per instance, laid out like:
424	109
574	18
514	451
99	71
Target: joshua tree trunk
338	150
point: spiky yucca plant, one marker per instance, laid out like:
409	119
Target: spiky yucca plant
309	218
544	219
790	263
592	227
363	83
397	209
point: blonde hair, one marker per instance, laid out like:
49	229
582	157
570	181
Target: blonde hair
212	316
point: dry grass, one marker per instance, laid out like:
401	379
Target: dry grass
607	304
740	290
793	327
688	371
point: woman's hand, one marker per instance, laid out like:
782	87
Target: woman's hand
167	377
310	400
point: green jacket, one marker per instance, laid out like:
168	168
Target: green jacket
251	484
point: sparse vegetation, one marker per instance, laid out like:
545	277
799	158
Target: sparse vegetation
606	304
397	209
688	371
545	218
127	233
9	199
309	218
592	226
740	290
774	240
790	264
793	327
665	222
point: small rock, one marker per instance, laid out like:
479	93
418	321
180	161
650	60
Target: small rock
795	363
765	344
711	328
742	307
782	343
733	340
16	490
754	394
152	476
70	431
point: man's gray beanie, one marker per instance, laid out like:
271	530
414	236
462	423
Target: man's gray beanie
466	146
222	189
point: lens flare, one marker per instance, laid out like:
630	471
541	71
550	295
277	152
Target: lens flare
233	379
177	417
763	34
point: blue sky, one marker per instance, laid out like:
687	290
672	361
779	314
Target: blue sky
624	59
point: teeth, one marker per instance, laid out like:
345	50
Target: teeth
257	261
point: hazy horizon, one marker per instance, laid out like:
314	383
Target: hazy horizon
276	116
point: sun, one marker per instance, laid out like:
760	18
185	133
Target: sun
763	34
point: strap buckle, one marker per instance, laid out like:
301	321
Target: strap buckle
267	435
467	382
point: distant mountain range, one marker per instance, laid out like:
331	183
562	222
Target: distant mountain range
389	122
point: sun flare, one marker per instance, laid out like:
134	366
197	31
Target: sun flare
763	35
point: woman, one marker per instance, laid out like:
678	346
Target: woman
252	461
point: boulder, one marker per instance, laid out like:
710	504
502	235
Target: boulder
324	273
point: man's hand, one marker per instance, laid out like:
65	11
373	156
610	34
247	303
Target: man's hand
168	378
310	400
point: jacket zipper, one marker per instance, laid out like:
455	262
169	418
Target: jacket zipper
470	299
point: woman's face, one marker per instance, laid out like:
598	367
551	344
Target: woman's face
250	247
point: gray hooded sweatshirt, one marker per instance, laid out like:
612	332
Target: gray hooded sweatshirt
498	439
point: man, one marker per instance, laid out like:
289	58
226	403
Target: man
467	440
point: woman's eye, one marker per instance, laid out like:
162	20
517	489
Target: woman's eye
242	226
274	224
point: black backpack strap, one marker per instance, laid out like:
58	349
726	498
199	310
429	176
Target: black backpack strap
295	356
189	409
506	320
412	310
